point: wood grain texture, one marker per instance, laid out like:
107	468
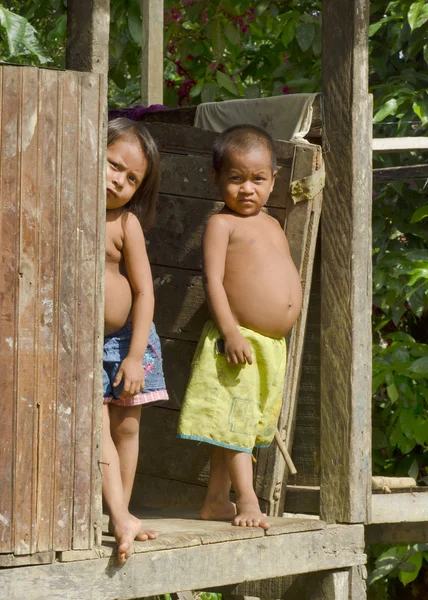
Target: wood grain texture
397	533
400	507
301	228
405	173
152	68
88	24
346	266
45	299
9	219
176	237
199	567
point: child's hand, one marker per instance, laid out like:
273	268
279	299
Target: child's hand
237	349
131	371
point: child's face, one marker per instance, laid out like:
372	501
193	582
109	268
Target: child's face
126	167
246	180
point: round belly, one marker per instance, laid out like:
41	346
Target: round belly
269	303
118	301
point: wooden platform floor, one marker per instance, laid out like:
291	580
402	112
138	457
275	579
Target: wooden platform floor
189	554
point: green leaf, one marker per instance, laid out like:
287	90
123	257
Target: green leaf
418	274
417	14
289	33
227	83
21	36
392	392
407	575
420	366
387	109
232	34
196	89
217	38
209	92
419	214
135	28
305	35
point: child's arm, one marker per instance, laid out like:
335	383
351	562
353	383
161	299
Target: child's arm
140	279
215	242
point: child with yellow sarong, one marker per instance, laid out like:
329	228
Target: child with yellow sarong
253	289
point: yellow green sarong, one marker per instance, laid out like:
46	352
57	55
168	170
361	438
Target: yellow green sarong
234	406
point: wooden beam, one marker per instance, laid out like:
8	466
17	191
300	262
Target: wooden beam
400	144
407	173
346	266
397	533
201	566
400	507
88	23
152	52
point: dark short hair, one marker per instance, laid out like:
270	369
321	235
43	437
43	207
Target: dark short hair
241	138
143	202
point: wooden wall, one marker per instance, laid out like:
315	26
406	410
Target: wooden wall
52	217
172	472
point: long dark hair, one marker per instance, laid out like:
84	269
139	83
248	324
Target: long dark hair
143	202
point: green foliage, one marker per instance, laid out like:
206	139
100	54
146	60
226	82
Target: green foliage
20	37
223	50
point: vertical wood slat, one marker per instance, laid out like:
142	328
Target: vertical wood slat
49	193
68	131
26	406
346	266
152	52
43	277
86	305
8	297
301	229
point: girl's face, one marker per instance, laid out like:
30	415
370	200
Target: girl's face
126	168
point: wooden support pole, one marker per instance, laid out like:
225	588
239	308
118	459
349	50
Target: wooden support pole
345	494
88	23
152	52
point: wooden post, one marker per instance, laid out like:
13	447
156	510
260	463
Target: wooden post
88	23
346	266
152	52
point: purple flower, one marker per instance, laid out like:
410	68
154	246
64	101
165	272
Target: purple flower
286	90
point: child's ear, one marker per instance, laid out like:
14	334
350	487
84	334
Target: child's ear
274	174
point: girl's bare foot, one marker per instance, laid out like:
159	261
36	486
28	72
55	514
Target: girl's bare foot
249	515
217	509
125	531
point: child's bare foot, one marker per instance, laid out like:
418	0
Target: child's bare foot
249	515
127	530
218	509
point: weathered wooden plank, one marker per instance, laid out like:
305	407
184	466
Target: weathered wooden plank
181	139
399	144
357	583
26	407
301	228
152	52
346	266
87	209
190	176
302	499
199	567
66	310
180	311
397	533
399	507
9	228
176	237
174	459
38	558
149	492
177	357
48	207
404	173
88	23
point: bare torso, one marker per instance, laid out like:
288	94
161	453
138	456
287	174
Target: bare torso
118	292
261	281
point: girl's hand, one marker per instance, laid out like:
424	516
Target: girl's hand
131	371
237	349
